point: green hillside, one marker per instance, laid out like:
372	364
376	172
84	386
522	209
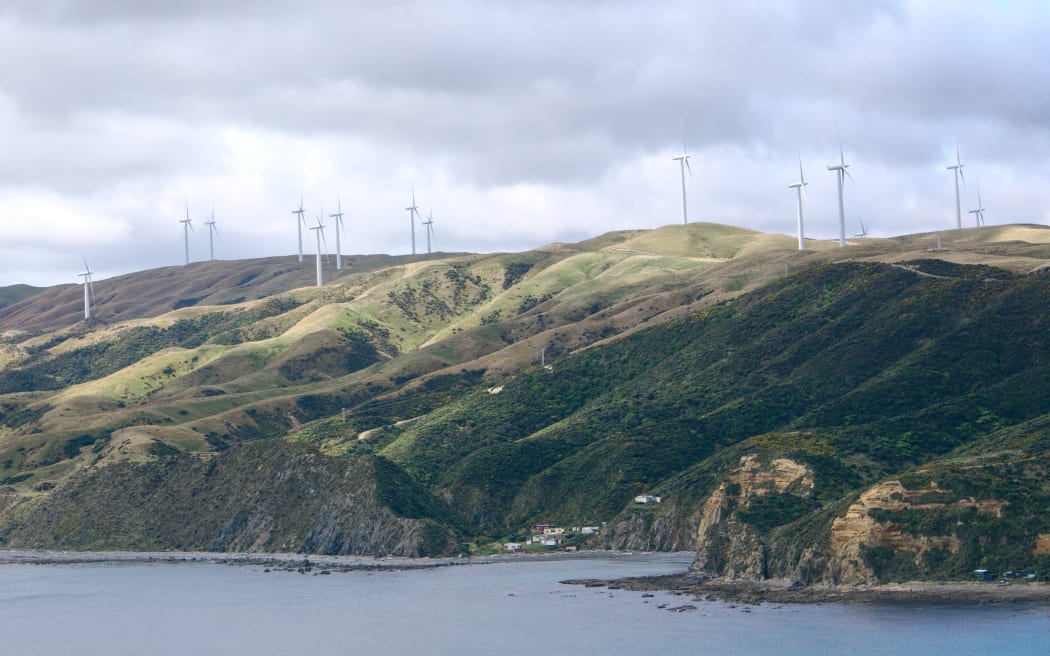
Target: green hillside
837	415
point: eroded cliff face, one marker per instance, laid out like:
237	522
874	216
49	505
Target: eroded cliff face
858	529
889	530
728	546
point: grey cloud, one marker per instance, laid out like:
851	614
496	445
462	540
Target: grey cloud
106	98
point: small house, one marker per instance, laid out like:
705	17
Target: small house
646	498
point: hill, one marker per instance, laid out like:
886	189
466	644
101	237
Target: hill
844	415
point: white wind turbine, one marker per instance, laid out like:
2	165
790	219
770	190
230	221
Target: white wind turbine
683	164
840	170
338	216
800	188
429	223
957	168
187	225
979	211
89	292
212	231
863	230
299	222
413	215
319	230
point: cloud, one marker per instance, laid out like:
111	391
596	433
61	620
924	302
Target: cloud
518	123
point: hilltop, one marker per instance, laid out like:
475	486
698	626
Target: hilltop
833	415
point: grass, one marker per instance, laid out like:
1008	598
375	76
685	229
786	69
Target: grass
264	366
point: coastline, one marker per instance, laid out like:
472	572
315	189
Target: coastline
690	584
782	591
298	560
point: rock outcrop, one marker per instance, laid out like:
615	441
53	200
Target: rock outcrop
728	546
858	528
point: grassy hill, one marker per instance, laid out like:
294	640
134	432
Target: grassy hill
833	414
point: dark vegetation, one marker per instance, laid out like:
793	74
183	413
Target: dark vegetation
893	369
861	371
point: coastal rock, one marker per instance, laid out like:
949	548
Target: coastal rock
728	546
858	529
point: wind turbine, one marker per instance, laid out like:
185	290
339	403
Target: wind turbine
863	230
319	230
840	170
429	229
187	225
413	214
957	168
683	164
338	216
299	224
800	186
212	231
89	292
979	212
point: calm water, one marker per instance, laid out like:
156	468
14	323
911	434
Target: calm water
506	608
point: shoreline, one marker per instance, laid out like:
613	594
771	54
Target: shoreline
783	592
687	583
299	560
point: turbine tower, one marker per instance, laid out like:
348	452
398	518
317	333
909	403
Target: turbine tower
319	230
979	212
957	168
429	223
299	224
89	292
338	216
840	170
212	231
413	214
800	188
683	164
187	225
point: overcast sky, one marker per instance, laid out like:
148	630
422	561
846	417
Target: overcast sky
518	123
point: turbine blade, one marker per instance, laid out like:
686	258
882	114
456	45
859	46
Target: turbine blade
842	153
688	167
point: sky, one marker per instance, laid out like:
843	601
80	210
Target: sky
515	123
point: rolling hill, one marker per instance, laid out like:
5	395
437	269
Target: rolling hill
833	415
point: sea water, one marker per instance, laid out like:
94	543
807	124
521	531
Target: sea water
516	607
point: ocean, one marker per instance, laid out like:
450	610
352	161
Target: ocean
507	607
